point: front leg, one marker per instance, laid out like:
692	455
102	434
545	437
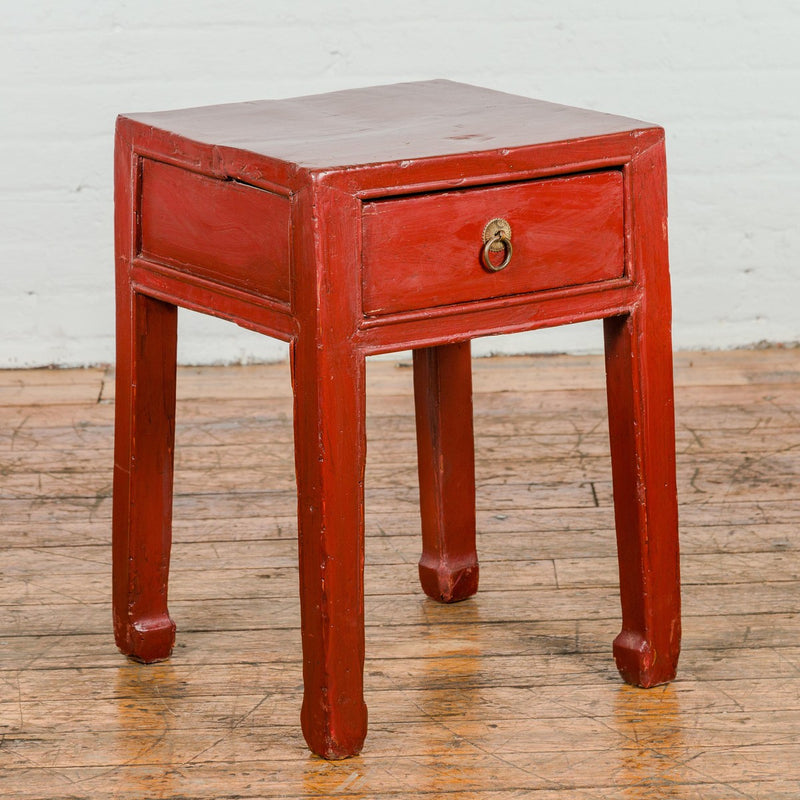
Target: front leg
330	452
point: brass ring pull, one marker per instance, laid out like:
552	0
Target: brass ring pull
496	237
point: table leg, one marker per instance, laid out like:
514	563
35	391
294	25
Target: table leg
642	428
143	466
448	568
330	451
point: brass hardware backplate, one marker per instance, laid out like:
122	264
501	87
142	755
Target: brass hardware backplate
491	231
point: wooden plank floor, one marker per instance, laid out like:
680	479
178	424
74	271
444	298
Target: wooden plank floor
507	693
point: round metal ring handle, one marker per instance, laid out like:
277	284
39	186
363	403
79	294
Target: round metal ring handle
496	237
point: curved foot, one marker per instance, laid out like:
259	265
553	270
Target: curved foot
147	640
448	584
641	665
339	734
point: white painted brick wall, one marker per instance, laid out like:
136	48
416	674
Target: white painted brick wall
723	77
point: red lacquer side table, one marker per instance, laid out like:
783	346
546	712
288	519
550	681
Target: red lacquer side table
415	216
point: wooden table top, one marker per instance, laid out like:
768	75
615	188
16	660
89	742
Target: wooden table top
379	124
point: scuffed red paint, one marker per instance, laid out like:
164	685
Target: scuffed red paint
354	192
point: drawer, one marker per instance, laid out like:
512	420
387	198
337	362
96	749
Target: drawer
226	231
425	251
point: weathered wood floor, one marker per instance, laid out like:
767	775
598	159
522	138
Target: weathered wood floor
510	692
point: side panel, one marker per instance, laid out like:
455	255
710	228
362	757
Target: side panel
226	231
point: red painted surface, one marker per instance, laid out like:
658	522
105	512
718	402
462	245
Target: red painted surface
254	187
143	446
330	450
222	230
423	252
642	426
448	568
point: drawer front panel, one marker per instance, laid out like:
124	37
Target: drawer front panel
226	231
419	252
